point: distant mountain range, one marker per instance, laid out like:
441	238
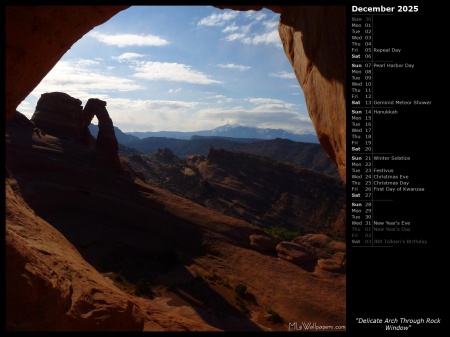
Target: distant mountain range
305	154
233	131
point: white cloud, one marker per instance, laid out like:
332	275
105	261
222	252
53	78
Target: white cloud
270	24
255	15
284	74
276	118
236	36
79	78
153	115
218	19
234	66
158	115
126	40
84	63
230	28
127	56
246	29
264	100
26	108
172	91
268	38
171	72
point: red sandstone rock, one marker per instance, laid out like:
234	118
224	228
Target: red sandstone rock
314	41
263	243
329	265
294	253
321	245
50	287
37	37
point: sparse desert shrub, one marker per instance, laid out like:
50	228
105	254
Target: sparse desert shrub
143	288
242	306
198	274
283	234
240	290
118	277
274	317
215	278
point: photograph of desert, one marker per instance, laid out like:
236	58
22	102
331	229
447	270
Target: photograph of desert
230	226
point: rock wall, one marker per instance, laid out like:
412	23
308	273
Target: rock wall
313	39
37	37
50	287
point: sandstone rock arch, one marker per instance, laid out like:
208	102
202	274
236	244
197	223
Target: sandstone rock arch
60	114
313	38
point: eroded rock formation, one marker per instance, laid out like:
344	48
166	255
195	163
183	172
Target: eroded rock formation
321	245
294	253
59	114
62	115
263	243
106	144
313	38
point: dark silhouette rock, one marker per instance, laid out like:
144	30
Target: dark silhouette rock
59	114
21	119
106	144
166	155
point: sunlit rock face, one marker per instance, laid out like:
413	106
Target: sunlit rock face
314	41
313	38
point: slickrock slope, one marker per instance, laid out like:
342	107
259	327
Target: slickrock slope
71	223
51	287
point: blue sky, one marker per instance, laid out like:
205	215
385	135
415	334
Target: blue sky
175	68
